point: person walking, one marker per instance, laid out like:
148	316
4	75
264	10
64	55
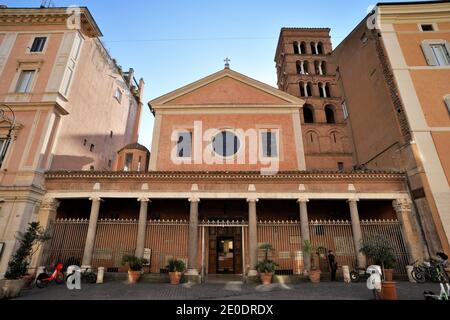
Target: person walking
333	264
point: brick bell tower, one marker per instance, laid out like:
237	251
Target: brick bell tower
305	69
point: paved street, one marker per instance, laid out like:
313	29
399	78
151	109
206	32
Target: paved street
227	291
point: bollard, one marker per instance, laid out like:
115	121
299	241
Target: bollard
100	274
409	270
346	274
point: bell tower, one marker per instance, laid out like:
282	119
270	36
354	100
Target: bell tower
305	69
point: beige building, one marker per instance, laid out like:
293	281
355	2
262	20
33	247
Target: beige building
394	71
74	107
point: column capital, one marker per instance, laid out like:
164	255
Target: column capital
252	199
401	205
98	199
144	199
50	204
194	199
302	199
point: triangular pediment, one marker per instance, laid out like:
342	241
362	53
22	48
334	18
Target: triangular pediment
226	87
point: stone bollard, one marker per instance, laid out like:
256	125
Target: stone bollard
100	274
346	274
409	270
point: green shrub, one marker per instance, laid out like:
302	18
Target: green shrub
134	263
266	266
176	265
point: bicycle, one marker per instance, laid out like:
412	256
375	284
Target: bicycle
44	279
444	294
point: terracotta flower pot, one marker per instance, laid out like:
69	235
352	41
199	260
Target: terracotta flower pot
175	277
389	274
266	277
134	276
388	290
314	276
11	288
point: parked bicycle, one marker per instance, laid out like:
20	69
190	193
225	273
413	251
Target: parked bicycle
433	270
45	278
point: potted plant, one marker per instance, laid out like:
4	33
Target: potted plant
381	251
135	265
176	268
266	268
315	273
17	275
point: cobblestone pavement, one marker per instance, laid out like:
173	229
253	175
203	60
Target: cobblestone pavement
227	291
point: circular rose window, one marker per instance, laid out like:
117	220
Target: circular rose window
226	144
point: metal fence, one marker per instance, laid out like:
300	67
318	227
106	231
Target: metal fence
168	239
284	236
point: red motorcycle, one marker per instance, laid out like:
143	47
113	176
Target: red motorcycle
44	279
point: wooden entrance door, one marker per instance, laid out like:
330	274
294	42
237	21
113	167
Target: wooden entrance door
216	234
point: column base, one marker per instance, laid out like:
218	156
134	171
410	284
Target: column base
191	272
252	273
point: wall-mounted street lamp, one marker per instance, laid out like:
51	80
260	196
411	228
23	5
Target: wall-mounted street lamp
11	120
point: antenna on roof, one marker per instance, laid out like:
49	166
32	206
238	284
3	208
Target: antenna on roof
47	4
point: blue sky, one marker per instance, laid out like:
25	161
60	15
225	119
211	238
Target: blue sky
172	43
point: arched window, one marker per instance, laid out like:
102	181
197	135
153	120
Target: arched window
302	48
313	48
302	89
320	48
327	90
329	113
309	89
298	64
324	67
296	47
308	113
322	92
306	67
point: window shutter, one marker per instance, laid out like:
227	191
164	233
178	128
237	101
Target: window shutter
273	144
428	53
447	102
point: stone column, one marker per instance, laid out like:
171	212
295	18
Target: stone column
193	237
357	234
92	229
252	236
304	229
142	227
46	215
403	209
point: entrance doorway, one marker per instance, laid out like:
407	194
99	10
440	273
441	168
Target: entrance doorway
225	250
225	255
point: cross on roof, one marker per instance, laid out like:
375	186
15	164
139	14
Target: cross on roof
227	62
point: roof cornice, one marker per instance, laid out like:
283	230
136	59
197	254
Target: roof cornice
48	16
223	175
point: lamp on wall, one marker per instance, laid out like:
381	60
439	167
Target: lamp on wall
12	124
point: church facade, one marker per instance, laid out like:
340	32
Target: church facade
227	173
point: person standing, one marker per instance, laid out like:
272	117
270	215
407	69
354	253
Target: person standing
333	264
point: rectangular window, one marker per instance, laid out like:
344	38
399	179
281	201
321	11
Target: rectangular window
427	27
38	44
184	144
3	149
91	149
440	54
25	81
128	161
340	166
118	95
344	110
269	144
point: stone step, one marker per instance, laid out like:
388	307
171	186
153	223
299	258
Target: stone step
223	278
